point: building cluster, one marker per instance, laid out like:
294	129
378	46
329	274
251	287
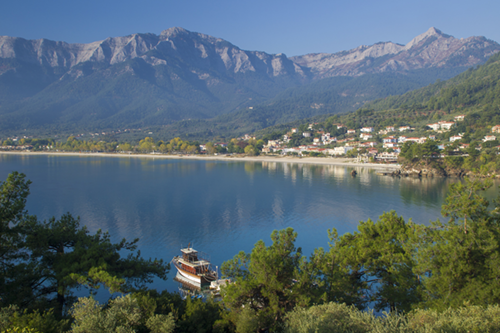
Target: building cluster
203	148
21	147
365	138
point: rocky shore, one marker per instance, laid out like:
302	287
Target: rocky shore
434	168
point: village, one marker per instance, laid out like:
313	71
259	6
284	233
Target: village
366	142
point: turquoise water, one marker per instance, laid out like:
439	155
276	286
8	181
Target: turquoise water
219	207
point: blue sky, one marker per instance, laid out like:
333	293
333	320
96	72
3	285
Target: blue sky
274	26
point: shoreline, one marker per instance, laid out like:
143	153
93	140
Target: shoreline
341	161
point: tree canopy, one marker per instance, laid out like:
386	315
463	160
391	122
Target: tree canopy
43	261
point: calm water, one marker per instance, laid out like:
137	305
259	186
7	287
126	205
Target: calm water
219	207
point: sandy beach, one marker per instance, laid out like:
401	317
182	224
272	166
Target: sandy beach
349	162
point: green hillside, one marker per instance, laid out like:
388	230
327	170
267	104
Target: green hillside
475	92
325	97
471	90
131	94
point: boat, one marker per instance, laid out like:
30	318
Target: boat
194	266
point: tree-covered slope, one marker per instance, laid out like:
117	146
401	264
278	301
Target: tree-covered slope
134	94
323	97
472	89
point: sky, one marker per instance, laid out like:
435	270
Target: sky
273	26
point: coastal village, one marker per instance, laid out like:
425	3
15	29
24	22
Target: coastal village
382	144
366	143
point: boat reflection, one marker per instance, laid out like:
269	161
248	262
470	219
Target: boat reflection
188	288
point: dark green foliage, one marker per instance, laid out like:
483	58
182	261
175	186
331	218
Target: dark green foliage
15	272
370	266
459	260
199	316
413	151
67	255
269	282
42	262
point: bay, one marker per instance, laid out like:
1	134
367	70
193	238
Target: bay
219	207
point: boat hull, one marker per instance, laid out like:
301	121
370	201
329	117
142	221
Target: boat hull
199	279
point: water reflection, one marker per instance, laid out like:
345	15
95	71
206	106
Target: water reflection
221	207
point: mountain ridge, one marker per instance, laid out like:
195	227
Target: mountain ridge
440	46
147	79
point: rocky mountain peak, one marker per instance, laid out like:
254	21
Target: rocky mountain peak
432	32
430	49
174	31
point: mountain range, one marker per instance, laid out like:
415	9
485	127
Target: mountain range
171	79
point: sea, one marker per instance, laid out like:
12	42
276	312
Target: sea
217	207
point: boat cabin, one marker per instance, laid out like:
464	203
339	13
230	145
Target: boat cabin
189	254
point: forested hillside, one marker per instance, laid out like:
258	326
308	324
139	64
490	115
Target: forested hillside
475	93
324	97
472	90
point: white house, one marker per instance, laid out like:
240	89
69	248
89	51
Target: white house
351	131
435	126
370	144
365	136
446	125
387	156
367	129
306	134
455	138
390	145
404	128
331	140
390	139
297	150
272	143
489	138
460	117
339	150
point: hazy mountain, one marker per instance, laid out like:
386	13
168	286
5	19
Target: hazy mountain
430	49
148	79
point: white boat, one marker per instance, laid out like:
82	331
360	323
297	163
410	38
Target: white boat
193	267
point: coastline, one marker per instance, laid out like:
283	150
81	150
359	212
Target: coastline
348	162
